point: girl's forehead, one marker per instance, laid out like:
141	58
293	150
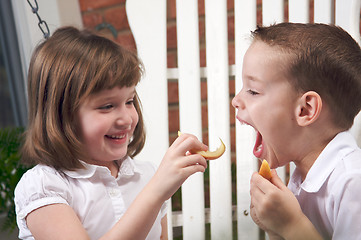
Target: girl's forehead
117	91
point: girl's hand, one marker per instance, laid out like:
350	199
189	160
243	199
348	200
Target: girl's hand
274	208
178	164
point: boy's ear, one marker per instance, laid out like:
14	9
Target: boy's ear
308	108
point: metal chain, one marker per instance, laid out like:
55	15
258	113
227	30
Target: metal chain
42	24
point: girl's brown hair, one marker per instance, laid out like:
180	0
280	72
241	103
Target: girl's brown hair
322	58
64	70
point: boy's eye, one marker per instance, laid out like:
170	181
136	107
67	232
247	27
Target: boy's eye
250	91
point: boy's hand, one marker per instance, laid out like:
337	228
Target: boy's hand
274	208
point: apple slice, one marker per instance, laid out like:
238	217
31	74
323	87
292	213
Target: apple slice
265	170
210	155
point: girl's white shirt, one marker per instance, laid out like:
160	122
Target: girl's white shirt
98	199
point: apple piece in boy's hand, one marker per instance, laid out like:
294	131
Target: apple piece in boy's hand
265	170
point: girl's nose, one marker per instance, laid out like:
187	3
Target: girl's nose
124	118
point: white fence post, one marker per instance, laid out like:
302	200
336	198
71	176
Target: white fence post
190	112
324	11
245	20
149	32
299	11
218	117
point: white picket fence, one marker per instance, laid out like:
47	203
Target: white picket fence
147	19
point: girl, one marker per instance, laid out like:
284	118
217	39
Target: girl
85	128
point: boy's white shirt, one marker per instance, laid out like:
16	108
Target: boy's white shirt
98	198
330	196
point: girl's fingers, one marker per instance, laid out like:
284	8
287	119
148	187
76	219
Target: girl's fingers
194	159
187	142
189	170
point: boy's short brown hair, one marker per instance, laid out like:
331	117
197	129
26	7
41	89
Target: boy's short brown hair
64	70
323	58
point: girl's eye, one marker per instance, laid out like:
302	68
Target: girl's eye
250	91
106	107
130	102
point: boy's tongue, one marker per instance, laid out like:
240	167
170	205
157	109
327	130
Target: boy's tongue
258	147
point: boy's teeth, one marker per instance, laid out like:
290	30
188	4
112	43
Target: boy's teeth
259	148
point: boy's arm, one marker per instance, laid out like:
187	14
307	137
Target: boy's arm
275	209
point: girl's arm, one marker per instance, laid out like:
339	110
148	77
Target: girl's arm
59	221
164	223
275	209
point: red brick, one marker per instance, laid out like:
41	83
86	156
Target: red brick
230	5
88	5
231	54
172	59
117	17
201	8
202	31
202	57
91	20
204	116
232	113
171	11
230	22
172	137
126	40
259	16
204	90
311	11
173	119
233	139
285	12
232	87
173	92
171	37
205	137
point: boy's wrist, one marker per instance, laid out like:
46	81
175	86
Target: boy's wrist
301	229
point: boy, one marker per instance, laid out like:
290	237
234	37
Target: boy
301	92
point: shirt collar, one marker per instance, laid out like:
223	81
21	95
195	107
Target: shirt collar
127	169
342	144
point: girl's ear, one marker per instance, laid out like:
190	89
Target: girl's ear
309	108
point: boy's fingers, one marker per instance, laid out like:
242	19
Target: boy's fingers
262	183
276	180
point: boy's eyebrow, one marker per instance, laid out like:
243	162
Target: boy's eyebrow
251	78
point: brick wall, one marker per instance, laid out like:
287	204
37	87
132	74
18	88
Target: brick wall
108	17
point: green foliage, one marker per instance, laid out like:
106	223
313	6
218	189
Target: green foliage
10	173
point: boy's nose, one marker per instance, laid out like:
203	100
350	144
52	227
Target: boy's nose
237	101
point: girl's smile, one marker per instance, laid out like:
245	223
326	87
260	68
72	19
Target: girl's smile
107	121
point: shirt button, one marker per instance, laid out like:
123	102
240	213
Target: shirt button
113	192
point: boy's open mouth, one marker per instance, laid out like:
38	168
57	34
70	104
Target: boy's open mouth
258	146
